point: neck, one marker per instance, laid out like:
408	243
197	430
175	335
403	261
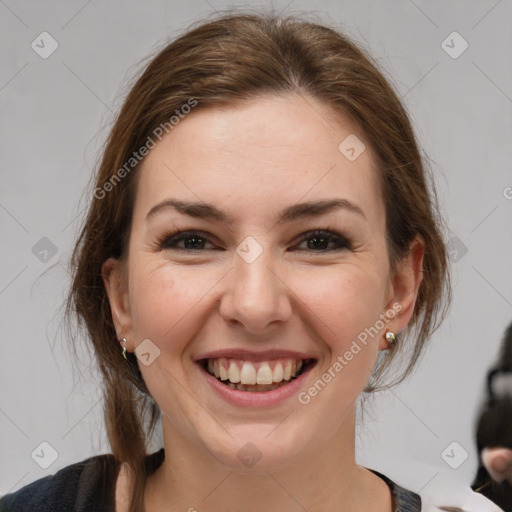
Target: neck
323	477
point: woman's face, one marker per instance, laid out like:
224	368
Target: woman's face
253	286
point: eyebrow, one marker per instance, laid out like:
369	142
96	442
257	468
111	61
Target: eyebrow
201	210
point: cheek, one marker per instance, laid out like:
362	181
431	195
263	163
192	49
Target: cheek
342	307
347	300
164	298
337	302
347	306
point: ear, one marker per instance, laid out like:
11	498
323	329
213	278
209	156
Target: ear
403	289
116	285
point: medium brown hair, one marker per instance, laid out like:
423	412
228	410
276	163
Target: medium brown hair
223	60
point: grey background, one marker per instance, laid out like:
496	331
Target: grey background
55	116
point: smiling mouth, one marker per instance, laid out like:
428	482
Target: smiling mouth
256	376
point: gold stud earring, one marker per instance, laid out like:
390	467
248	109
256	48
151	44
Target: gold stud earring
391	339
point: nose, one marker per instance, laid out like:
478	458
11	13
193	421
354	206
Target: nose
256	297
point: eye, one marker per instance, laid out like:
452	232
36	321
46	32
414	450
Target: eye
193	240
318	241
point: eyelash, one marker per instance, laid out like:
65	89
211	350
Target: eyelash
169	240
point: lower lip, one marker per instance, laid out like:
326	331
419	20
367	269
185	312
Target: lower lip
256	398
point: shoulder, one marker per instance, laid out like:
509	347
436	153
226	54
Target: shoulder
446	492
403	499
465	501
84	486
445	496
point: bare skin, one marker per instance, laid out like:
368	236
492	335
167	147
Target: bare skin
373	490
253	160
498	462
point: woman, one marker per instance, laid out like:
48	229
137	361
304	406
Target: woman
261	245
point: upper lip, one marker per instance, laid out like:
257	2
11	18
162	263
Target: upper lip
251	355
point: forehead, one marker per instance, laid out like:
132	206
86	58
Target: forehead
261	152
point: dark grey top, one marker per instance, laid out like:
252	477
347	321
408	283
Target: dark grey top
89	486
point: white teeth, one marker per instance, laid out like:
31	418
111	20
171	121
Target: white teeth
223	372
233	373
278	373
248	374
287	372
264	375
216	369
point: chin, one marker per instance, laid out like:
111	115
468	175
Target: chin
258	448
